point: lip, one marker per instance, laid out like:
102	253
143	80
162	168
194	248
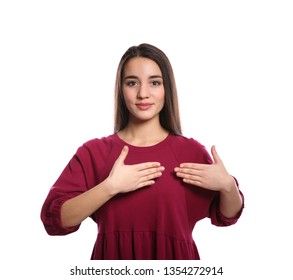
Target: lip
144	106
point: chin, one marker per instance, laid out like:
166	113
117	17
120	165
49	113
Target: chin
139	118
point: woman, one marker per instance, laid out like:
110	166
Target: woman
146	185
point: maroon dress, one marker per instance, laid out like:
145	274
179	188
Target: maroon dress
155	222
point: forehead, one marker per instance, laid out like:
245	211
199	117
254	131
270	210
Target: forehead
141	66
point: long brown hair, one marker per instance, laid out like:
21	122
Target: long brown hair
169	115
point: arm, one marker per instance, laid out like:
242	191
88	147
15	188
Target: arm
214	177
122	178
230	200
76	209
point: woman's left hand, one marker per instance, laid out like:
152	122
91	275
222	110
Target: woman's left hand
209	176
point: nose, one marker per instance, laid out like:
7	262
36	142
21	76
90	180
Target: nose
143	92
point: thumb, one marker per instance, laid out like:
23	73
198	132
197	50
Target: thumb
215	155
122	155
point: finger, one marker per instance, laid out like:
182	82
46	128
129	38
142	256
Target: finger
191	182
147	165
145	184
151	171
215	155
149	179
192	177
152	176
148	176
190	171
122	155
194	182
195	166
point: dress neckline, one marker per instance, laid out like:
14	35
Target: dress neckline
154	147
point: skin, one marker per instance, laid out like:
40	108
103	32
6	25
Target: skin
143	84
143	129
213	177
144	93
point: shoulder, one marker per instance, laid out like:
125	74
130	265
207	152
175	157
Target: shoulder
102	142
183	141
190	148
97	146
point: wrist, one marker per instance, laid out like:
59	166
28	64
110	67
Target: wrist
109	188
229	186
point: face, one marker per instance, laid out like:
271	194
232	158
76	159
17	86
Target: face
143	89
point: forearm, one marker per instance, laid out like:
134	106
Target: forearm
230	201
75	210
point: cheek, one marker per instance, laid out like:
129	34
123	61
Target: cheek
129	92
128	100
126	96
162	97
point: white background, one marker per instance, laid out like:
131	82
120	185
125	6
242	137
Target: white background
233	63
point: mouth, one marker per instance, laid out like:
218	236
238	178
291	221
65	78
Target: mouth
144	106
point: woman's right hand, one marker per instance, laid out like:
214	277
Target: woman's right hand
126	178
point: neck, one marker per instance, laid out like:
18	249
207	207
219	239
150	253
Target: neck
145	134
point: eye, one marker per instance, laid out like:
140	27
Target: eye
132	83
156	83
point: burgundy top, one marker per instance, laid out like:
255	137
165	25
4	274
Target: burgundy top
154	222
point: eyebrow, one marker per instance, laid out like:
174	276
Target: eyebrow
135	77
